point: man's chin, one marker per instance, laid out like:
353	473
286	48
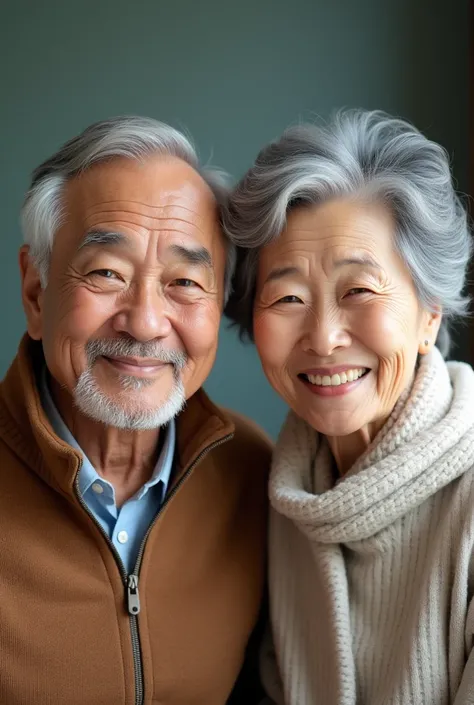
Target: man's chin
137	392
125	406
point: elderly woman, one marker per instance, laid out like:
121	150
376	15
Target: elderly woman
354	249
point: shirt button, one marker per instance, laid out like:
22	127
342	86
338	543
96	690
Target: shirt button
97	487
122	536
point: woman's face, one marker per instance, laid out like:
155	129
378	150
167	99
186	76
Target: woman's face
337	321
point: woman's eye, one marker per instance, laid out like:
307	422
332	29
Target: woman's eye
290	299
358	290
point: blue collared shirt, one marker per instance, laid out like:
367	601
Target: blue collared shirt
125	526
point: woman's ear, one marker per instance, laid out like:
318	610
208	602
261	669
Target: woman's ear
31	294
429	331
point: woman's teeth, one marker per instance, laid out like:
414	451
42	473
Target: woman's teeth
336	380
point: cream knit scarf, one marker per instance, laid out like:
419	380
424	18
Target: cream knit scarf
350	616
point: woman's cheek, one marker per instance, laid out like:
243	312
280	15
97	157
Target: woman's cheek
392	343
382	332
390	378
275	343
270	338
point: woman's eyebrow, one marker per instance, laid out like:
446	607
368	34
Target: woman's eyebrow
361	260
281	272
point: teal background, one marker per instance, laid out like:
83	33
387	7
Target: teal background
234	75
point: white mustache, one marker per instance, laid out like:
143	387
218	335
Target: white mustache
122	347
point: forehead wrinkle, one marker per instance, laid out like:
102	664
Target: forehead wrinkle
349	243
279	248
364	225
113	225
160	215
326	240
299	262
124	207
340	257
120	202
145	223
151	212
323	241
315	240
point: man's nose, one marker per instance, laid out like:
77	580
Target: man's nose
144	316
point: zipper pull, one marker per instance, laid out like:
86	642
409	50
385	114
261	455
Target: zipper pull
133	598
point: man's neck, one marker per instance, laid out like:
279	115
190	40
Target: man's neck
124	458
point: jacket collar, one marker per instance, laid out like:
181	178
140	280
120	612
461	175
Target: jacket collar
25	428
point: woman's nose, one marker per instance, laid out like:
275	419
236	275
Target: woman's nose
325	333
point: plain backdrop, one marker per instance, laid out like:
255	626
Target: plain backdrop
234	75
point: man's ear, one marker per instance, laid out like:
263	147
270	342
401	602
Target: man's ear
429	331
31	294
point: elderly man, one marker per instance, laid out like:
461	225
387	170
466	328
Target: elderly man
132	508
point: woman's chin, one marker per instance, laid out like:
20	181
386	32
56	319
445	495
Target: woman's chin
340	425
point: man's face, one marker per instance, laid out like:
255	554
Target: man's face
133	302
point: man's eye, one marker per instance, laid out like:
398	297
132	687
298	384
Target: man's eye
105	273
187	283
290	299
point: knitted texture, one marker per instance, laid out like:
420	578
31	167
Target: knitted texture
371	575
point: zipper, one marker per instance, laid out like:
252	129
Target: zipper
167	499
131	581
125	579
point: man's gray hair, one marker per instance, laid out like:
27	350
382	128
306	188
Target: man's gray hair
131	137
358	154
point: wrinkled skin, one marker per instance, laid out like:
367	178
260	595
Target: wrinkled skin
142	285
333	291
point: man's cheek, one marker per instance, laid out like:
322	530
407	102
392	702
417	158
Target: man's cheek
200	331
80	316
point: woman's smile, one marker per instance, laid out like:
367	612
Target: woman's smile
327	383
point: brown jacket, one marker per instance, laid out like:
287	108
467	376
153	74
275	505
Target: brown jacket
68	633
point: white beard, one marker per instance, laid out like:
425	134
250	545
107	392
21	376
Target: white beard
92	401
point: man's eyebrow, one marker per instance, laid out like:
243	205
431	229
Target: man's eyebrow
200	256
281	272
102	237
195	256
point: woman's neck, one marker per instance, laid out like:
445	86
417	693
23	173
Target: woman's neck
347	449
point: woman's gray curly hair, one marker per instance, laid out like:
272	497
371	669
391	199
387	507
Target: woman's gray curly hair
365	154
